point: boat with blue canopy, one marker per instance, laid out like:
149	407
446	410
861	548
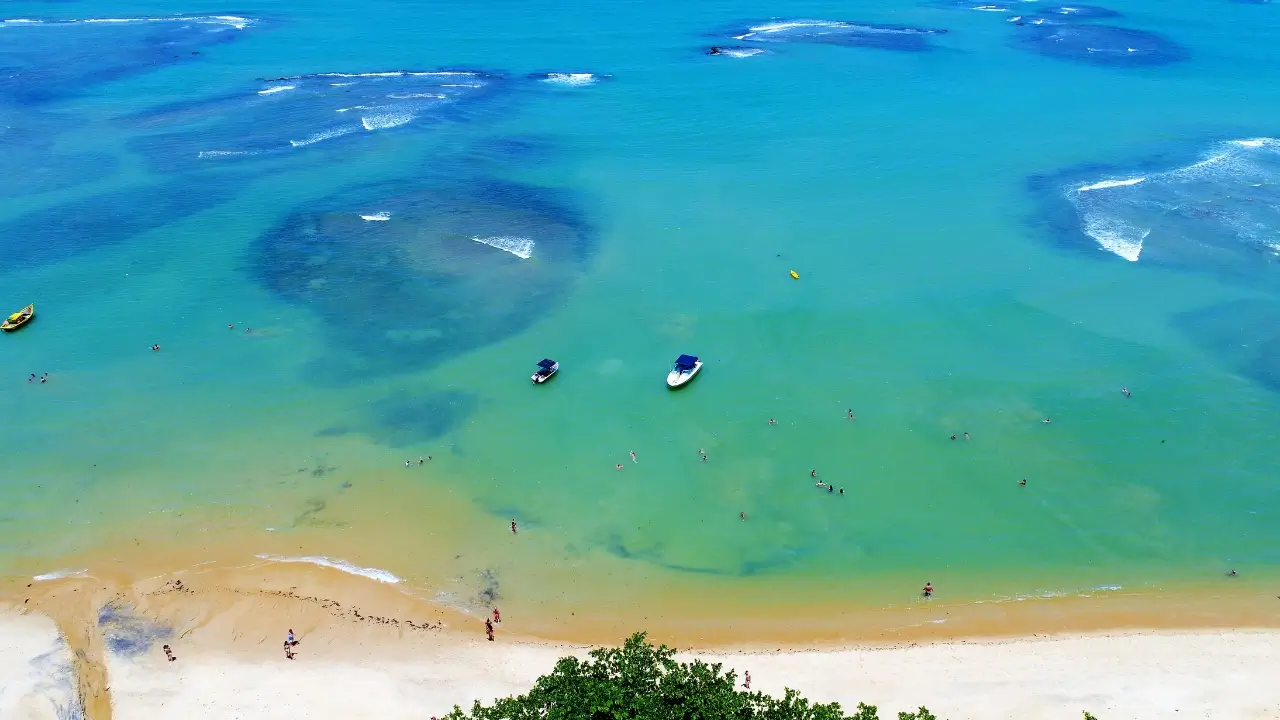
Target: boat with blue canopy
546	369
683	370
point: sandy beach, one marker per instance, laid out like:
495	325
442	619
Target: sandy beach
367	648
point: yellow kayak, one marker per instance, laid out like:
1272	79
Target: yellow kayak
18	319
795	274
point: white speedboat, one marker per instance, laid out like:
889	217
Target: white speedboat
546	369
683	370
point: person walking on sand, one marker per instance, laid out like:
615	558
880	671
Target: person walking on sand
513	527
488	629
746	680
288	651
168	652
497	616
289	639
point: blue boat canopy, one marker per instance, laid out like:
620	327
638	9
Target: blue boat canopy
546	364
686	362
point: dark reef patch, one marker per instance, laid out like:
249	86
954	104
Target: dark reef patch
409	420
286	114
1218	212
1078	12
1244	335
1099	44
46	60
409	274
62	231
31	164
835	32
128	634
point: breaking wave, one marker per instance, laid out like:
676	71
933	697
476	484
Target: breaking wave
336	564
376	217
1225	207
521	247
837	32
60	574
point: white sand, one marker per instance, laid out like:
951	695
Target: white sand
35	669
1133	675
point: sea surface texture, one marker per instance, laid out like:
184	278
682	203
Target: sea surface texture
353	229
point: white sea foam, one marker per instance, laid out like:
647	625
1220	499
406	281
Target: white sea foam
1223	197
570	79
60	574
276	89
230	21
741	52
1110	184
382	121
376	217
322	136
336	564
413	96
521	247
222	153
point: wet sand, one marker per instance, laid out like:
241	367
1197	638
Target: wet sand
376	649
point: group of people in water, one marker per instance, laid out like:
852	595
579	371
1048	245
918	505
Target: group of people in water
43	379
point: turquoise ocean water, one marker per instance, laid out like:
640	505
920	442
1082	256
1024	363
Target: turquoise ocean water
1006	222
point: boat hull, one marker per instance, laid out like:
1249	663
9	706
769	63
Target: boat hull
25	316
539	378
677	379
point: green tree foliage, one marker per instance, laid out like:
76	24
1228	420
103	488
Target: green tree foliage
641	682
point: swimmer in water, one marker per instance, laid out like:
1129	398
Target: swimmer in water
230	326
513	527
618	466
1022	482
155	348
953	437
772	421
704	458
743	515
1045	421
633	457
420	460
841	491
1126	392
831	488
850	413
714	50
406	463
44	378
813	473
32	378
928	590
966	436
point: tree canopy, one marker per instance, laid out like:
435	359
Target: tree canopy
641	682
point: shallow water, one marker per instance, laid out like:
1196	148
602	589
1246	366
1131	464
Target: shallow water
610	196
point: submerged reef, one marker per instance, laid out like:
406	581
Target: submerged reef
1219	213
48	60
285	114
1244	335
409	274
834	32
1098	44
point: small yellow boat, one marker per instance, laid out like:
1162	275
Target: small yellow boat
18	319
795	275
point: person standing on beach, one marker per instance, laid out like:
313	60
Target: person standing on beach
488	629
289	639
168	652
497	616
513	527
746	680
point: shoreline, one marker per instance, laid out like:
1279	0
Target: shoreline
369	649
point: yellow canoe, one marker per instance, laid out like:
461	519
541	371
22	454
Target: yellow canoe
795	274
20	318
